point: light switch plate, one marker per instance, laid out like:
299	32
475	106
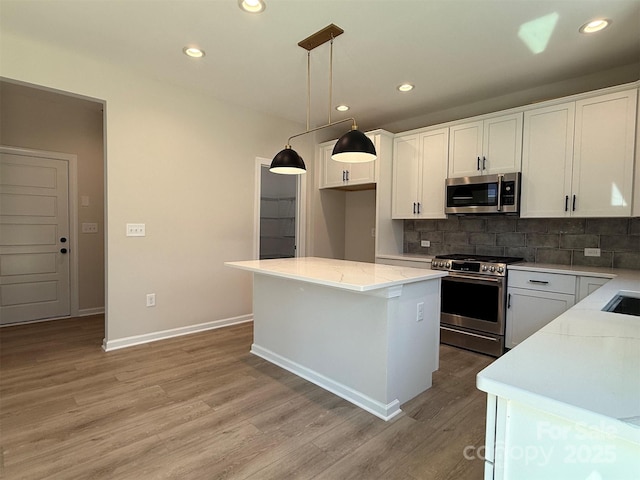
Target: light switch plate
136	230
591	252
425	243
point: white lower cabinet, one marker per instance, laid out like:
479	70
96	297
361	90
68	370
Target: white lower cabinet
533	300
525	442
588	285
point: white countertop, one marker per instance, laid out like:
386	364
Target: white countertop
566	269
357	276
584	365
408	257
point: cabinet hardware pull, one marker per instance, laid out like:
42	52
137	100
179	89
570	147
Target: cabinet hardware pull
347	175
566	203
484	163
509	301
478	163
574	203
418	208
539	282
414	208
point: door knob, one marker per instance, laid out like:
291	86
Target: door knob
63	250
63	239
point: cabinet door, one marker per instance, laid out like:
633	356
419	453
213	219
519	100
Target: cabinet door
332	172
502	144
603	156
530	310
588	285
406	176
465	149
433	166
547	155
358	173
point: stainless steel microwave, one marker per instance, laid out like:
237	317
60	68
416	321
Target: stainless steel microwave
483	194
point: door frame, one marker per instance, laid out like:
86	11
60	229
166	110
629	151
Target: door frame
301	197
72	163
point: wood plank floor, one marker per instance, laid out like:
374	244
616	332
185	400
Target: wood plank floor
202	407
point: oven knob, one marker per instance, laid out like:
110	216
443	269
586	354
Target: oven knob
500	269
448	265
484	268
492	268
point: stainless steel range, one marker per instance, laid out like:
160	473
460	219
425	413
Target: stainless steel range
474	301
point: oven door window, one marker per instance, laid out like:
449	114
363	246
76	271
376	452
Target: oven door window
478	300
472	195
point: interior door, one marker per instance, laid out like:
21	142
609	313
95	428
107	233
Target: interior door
278	214
34	238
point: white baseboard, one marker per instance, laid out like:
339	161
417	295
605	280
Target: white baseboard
116	344
85	312
385	412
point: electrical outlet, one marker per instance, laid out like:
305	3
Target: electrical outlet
89	228
420	312
136	230
373	232
591	252
425	243
151	299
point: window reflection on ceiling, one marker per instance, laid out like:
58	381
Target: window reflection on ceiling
536	33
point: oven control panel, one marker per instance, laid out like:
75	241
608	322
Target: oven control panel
493	269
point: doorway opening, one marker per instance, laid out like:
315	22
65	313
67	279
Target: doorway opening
278	223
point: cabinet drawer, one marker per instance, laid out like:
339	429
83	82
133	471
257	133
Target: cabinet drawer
548	282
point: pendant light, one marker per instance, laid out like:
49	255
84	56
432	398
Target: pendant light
353	147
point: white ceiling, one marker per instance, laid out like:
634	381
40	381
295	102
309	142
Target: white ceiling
455	51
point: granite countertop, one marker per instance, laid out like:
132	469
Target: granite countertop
356	276
584	365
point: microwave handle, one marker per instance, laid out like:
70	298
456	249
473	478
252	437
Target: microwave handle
499	193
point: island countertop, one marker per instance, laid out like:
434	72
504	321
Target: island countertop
348	275
583	365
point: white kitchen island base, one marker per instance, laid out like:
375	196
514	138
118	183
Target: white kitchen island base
361	341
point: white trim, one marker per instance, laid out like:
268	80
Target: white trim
111	345
385	412
72	172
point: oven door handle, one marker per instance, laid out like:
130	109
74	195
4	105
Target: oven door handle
469	278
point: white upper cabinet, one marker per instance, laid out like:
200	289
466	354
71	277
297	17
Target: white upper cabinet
342	175
602	178
419	173
547	154
578	158
485	147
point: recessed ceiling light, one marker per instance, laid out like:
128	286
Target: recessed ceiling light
595	25
405	87
342	108
193	52
252	6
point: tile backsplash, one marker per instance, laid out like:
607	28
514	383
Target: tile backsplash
540	240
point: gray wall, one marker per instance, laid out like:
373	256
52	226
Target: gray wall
540	240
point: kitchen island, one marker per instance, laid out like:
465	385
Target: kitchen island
565	403
366	332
